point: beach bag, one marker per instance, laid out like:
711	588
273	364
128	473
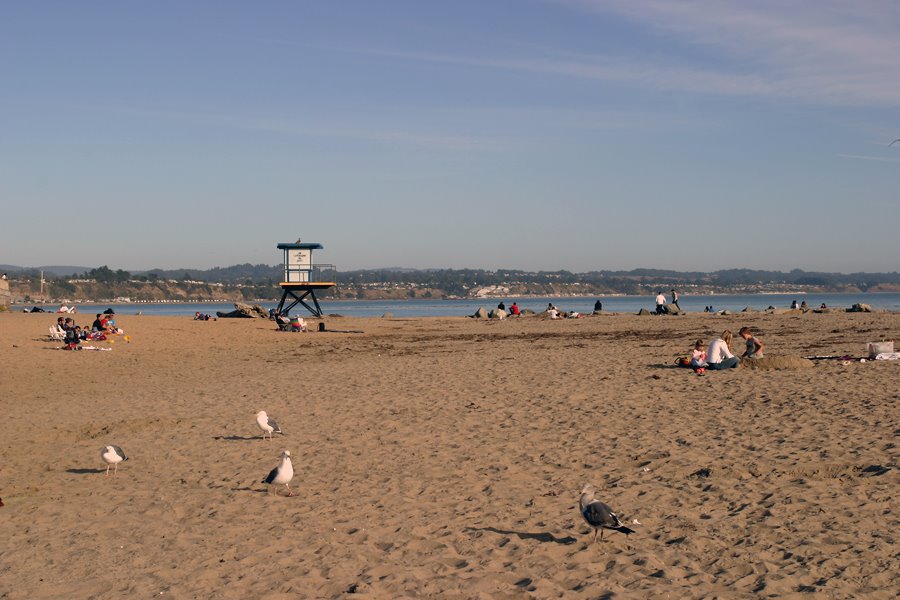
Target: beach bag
684	362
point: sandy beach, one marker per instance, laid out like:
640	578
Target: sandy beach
443	458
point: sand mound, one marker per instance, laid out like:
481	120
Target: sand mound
778	363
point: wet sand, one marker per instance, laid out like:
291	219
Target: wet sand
443	458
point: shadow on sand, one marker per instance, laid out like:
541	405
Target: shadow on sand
522	535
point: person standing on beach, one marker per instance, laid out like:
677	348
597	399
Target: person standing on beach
719	355
661	304
675	299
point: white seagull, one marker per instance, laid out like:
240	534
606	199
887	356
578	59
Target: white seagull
267	425
283	473
112	455
599	515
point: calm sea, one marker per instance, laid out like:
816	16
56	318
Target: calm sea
458	308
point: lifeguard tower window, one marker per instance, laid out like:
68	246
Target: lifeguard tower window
301	277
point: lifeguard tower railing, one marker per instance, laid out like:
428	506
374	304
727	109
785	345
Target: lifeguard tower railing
309	274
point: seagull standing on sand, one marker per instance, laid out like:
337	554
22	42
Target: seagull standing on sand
267	425
599	515
283	473
112	455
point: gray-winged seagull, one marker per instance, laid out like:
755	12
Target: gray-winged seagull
267	425
283	473
112	455
598	514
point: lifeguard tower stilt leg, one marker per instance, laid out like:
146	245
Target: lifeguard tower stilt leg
316	312
302	278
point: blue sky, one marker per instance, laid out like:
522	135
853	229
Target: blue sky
532	134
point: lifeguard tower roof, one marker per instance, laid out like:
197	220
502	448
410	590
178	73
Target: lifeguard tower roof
300	246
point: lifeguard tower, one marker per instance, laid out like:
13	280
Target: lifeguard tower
301	278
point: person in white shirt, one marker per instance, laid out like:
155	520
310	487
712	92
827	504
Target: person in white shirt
661	304
719	355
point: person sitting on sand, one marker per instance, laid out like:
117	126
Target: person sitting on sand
554	314
598	306
283	322
698	356
99	323
501	306
794	305
754	346
298	324
719	356
804	305
514	310
73	338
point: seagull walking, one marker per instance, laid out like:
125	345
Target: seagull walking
598	514
112	455
267	424
283	473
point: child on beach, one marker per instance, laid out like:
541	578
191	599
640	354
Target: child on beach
73	338
698	357
754	346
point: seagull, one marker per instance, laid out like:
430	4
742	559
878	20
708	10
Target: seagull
283	473
894	142
112	455
267	425
599	515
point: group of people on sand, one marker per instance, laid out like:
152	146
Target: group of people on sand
662	307
293	323
104	325
718	356
551	311
555	313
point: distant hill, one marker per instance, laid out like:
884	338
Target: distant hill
260	281
58	271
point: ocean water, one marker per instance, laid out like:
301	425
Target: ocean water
458	308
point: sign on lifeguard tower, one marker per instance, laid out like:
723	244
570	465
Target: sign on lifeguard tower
302	277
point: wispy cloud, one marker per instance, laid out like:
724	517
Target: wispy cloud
875	158
826	51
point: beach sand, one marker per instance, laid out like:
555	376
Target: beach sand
444	458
